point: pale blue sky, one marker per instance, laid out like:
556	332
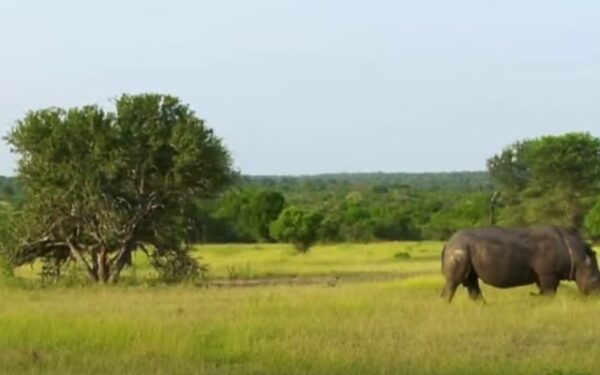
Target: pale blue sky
311	86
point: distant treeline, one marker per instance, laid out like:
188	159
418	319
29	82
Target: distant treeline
546	180
447	181
550	180
351	207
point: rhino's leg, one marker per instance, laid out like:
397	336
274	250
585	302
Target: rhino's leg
455	268
449	290
472	285
548	284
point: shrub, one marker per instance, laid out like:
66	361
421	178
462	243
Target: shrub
298	227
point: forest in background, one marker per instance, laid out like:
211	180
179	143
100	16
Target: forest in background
363	207
352	207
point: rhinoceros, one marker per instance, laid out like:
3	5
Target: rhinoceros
510	257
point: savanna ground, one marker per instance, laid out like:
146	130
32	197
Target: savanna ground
345	309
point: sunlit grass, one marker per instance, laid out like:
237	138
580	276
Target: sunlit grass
281	260
378	327
395	327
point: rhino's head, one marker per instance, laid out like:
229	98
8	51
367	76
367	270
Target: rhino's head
588	275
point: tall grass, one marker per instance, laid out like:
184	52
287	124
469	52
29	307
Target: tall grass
280	260
397	327
383	327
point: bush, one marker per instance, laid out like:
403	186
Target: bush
176	266
402	255
298	227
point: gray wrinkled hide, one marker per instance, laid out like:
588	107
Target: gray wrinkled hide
505	258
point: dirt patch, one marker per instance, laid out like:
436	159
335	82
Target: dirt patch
326	280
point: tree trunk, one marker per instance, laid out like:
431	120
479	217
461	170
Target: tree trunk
76	253
103	266
121	261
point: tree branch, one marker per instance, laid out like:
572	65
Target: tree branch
76	253
30	251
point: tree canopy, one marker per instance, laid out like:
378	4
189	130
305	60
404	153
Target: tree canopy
99	184
549	179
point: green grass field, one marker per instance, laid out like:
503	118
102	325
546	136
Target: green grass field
357	326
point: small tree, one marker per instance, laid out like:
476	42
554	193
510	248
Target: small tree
100	185
298	227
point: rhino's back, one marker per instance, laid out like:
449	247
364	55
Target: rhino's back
505	257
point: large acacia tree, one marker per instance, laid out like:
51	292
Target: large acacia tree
99	185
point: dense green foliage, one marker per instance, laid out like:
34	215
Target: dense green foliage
100	185
352	208
298	227
551	179
592	221
295	186
379	207
547	180
250	212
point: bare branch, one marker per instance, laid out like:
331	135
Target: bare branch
76	253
